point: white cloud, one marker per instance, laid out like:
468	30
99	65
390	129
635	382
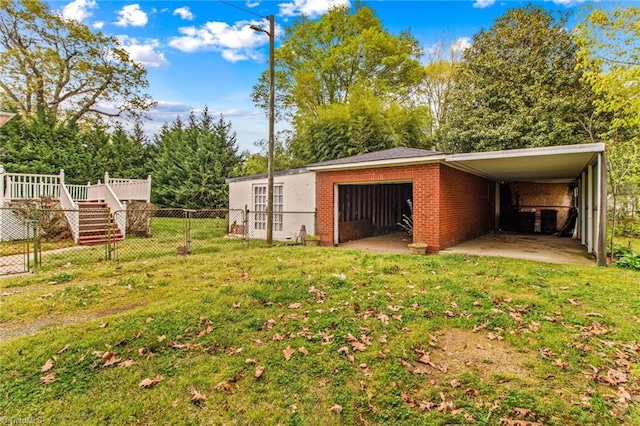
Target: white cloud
568	3
310	8
98	25
461	44
78	10
184	13
481	4
132	15
145	52
236	42
251	4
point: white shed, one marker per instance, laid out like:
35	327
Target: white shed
294	203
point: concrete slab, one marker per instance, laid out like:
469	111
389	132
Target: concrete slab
541	248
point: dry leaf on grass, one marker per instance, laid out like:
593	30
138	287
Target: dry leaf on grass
127	363
147	383
295	306
48	378
336	409
258	372
288	352
47	366
63	349
303	350
103	324
197	398
110	358
251	361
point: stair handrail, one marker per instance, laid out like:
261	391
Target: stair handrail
70	208
103	191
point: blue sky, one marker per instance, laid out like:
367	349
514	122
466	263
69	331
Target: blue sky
201	53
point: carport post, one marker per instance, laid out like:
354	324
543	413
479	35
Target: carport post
602	203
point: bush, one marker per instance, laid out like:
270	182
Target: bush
626	257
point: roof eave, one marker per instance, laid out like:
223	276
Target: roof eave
379	163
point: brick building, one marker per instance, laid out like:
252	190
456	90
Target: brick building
457	197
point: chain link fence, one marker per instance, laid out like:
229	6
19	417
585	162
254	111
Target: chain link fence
33	238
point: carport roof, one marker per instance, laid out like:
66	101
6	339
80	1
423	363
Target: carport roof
554	163
547	164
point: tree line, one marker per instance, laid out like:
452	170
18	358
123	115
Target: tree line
345	85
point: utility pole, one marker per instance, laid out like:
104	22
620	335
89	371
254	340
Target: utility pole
271	144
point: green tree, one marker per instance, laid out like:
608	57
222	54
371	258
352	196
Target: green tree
361	126
321	62
518	87
609	55
284	159
125	155
345	67
28	147
49	65
192	161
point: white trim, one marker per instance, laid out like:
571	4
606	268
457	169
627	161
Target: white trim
528	152
336	212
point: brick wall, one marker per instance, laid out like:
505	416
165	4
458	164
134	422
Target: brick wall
440	219
467	206
544	196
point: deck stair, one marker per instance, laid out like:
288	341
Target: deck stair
96	224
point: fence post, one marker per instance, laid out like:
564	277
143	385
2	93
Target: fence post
245	224
149	189
106	178
36	242
61	182
1	185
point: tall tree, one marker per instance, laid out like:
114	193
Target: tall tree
49	65
192	161
518	86
610	57
323	64
361	126
437	83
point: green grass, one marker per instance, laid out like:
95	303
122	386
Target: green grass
547	339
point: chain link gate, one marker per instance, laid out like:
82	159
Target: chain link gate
19	241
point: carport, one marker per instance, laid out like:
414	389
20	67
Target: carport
583	166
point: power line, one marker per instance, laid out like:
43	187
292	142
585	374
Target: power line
240	8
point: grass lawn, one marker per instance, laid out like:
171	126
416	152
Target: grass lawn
298	335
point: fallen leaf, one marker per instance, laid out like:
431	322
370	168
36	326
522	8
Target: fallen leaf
251	361
288	352
236	305
103	324
149	319
303	350
258	372
127	363
161	338
455	383
147	383
336	409
197	398
48	378
111	359
63	349
47	366
295	306
233	351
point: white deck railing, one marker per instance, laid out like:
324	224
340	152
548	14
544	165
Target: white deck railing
19	186
130	189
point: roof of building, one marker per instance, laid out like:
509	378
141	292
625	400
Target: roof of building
386	154
264	175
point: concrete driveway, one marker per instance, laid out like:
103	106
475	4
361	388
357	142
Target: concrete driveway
541	248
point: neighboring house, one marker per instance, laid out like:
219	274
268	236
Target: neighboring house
455	197
294	204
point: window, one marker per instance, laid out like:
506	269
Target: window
260	205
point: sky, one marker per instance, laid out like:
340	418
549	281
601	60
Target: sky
203	53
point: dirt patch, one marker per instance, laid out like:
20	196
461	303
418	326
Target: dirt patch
13	329
461	351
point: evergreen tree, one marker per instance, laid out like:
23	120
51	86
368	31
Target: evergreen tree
192	161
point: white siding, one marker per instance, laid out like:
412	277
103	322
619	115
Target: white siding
299	203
